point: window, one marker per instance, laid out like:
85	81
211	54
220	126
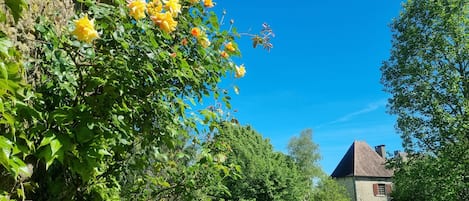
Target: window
381	189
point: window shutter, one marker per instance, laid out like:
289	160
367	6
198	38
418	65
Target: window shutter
375	189
388	189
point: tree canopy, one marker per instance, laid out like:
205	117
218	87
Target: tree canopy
264	173
305	153
428	78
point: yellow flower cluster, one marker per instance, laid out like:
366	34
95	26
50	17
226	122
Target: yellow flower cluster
173	7
84	29
154	7
165	21
137	9
163	18
229	47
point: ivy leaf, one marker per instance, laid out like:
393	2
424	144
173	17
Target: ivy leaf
23	169
55	145
46	140
5	150
5	44
16	7
3	70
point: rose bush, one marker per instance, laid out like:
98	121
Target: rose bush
108	116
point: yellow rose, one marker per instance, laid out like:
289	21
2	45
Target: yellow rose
137	9
84	29
208	3
165	21
154	7
240	71
229	46
173	6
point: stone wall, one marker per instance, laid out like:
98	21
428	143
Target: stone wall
22	33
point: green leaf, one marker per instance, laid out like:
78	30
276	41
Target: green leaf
163	183
84	134
23	169
213	19
5	151
3	70
16	7
3	17
55	145
8	85
10	120
51	152
5	44
14	75
46	154
46	140
30	111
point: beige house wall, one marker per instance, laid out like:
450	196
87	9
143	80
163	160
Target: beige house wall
365	191
361	188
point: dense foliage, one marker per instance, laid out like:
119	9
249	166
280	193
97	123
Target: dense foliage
101	110
264	173
95	104
428	78
269	175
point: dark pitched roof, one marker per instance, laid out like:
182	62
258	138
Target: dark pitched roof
361	160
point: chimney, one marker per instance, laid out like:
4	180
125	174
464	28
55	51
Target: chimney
381	151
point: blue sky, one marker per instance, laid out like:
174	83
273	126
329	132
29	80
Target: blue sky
323	72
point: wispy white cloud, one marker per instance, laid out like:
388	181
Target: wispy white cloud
347	117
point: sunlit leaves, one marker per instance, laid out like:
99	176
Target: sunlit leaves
112	112
427	76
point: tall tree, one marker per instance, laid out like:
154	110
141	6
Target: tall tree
305	153
428	78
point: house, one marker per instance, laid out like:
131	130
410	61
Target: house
362	171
